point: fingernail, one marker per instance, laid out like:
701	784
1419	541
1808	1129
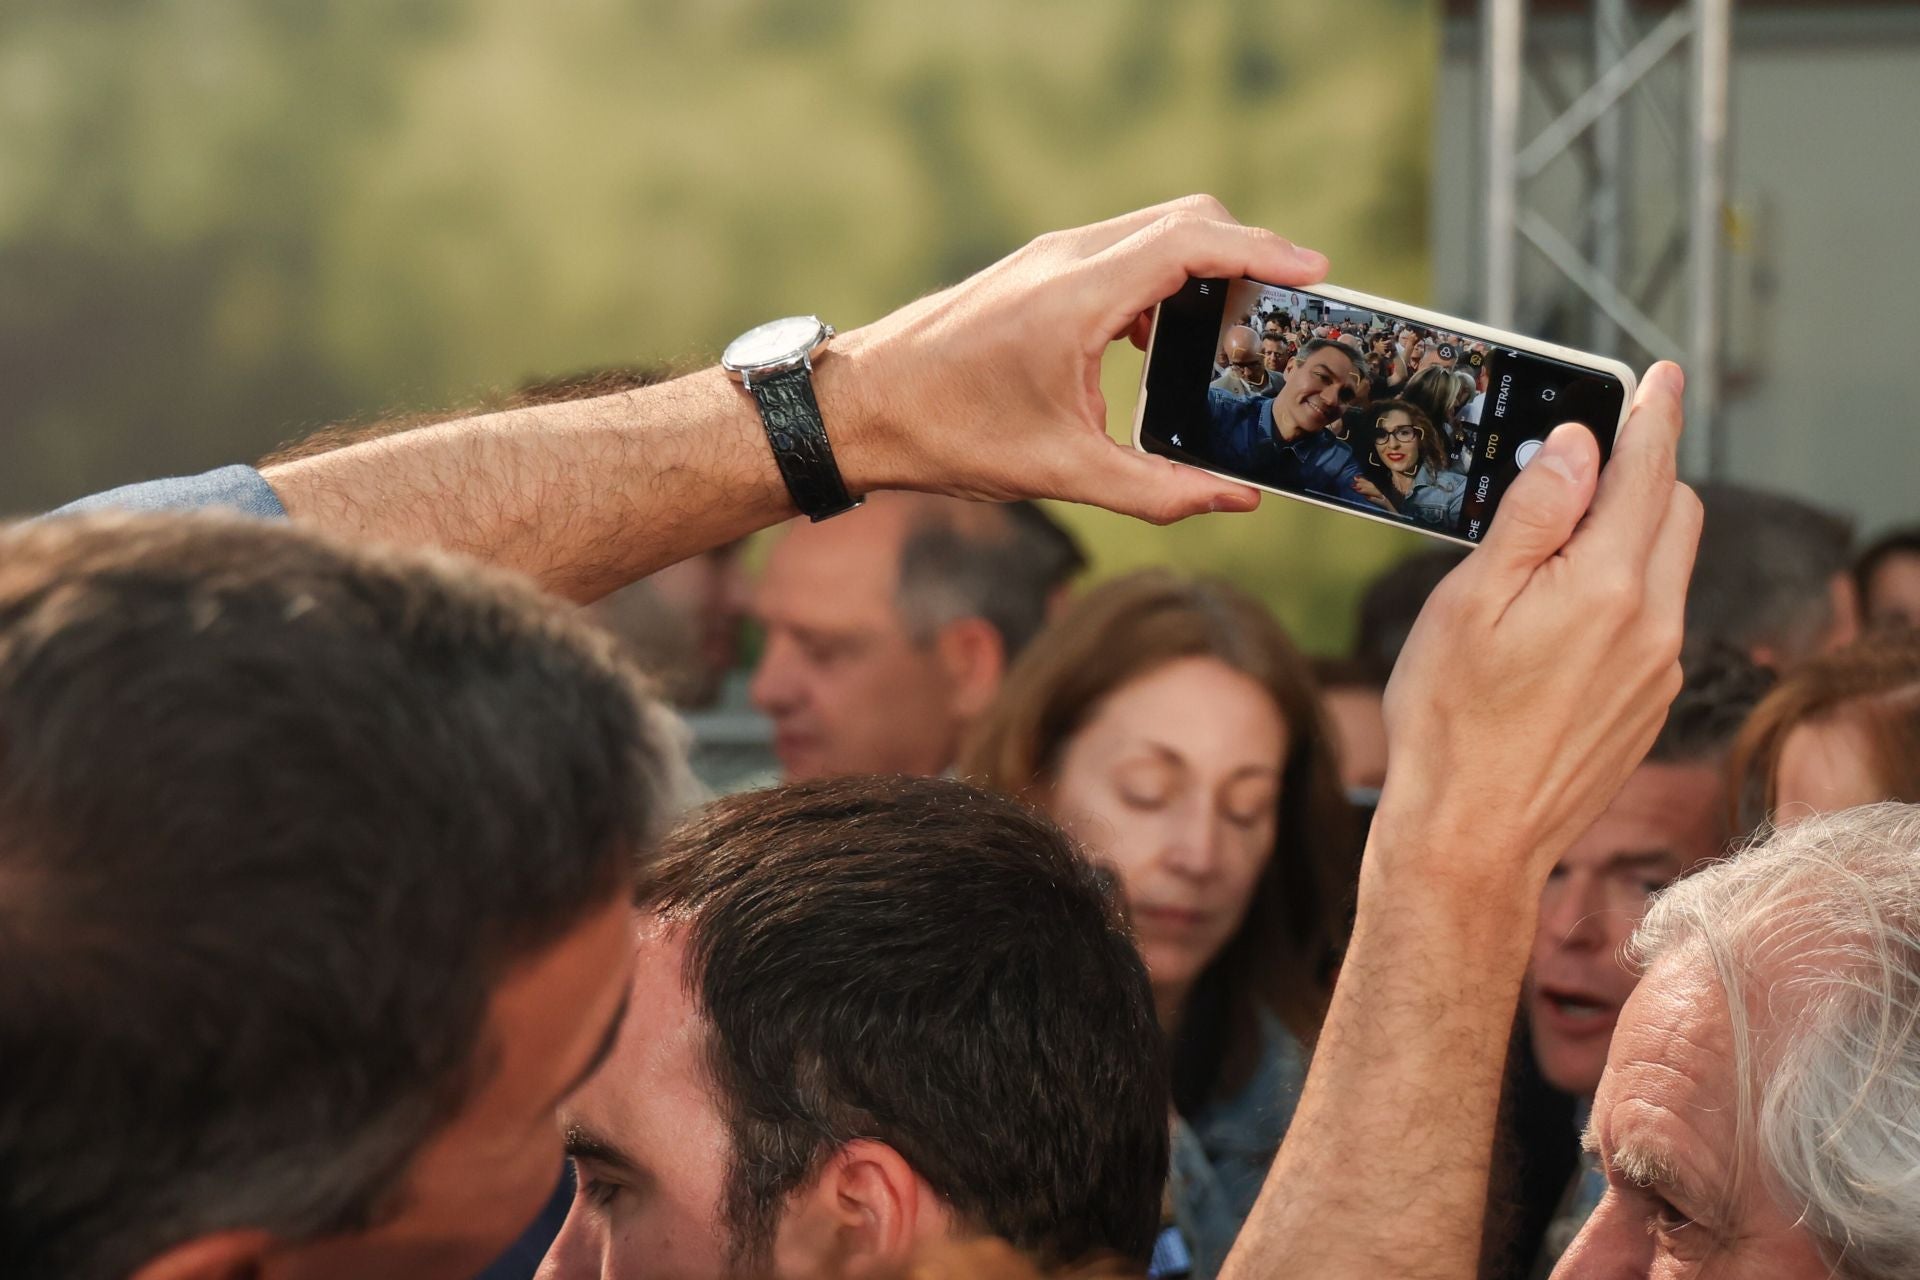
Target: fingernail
1227	502
1563	455
1311	258
1674	379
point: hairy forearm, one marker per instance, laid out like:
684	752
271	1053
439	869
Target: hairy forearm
583	496
1384	1169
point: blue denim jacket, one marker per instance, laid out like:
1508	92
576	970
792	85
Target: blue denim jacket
1436	498
1245	444
1222	1152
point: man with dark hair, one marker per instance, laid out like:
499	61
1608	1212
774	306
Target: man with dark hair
312	885
880	1012
312	898
1273	358
888	630
1283	440
1672	816
1772	579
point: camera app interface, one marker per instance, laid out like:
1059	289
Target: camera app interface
1365	409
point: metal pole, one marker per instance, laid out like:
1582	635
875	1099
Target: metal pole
1609	153
1712	49
1502	24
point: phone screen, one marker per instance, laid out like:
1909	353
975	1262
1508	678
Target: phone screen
1363	409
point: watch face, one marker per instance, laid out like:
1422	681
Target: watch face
772	343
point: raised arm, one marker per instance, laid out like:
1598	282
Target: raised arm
989	389
1533	683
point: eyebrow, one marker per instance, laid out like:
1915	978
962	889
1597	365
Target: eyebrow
1651	1170
1173	757
583	1143
601	1050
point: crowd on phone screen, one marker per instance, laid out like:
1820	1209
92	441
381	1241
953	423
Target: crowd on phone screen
851	985
1395	408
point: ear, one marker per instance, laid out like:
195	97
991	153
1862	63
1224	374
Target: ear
866	1214
229	1255
974	659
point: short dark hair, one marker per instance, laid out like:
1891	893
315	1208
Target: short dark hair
1719	689
1764	569
1006	572
1346	349
1392	603
933	966
276	816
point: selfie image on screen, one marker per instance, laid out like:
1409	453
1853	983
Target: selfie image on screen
1354	407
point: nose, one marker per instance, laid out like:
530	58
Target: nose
1192	846
572	1255
1570	911
1611	1246
777	687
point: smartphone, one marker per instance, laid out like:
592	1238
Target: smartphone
1332	397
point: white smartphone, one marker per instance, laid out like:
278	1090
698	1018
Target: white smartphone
1362	404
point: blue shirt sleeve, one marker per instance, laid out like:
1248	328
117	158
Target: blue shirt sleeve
1241	427
239	488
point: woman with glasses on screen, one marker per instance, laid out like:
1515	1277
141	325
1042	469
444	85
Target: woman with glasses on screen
1407	466
1172	727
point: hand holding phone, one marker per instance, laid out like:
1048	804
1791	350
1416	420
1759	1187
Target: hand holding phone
1361	404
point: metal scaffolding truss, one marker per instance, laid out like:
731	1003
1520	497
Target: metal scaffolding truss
1594	122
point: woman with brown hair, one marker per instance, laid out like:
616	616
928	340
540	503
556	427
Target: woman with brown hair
1172	727
1407	465
1839	730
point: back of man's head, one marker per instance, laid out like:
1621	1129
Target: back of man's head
276	817
931	966
1771	578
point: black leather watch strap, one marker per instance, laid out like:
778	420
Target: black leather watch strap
799	440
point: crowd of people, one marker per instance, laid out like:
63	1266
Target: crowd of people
1353	407
344	882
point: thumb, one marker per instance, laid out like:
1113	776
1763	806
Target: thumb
1103	473
1542	506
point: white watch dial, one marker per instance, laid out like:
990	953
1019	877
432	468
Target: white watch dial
772	342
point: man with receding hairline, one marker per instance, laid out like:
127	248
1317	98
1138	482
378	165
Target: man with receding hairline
1246	373
888	629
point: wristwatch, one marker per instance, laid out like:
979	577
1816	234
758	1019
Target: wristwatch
774	362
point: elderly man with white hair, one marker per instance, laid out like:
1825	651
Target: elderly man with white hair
1760	1112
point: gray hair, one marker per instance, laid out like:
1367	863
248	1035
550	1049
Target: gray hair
1764	569
1006	572
1817	931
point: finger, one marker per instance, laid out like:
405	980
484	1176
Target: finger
1090	240
1540	510
1142	330
1670	565
1633	495
1103	473
1152	264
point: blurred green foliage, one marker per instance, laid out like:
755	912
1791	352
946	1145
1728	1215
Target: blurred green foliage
224	223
